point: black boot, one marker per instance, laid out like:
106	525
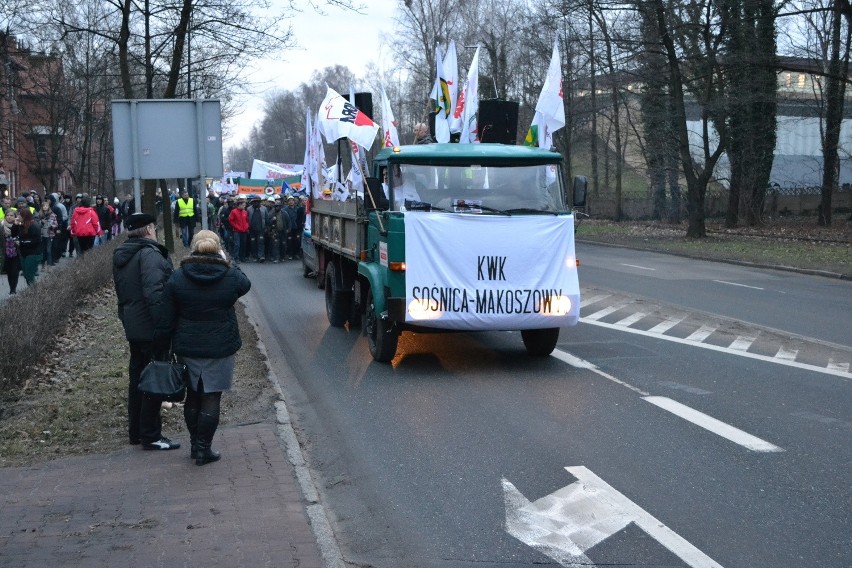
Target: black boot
207	424
190	416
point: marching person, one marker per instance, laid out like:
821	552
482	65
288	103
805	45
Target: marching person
238	219
200	297
30	245
185	215
140	268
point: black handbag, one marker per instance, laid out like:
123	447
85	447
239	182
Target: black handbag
164	379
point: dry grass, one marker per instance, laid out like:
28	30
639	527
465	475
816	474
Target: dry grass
792	243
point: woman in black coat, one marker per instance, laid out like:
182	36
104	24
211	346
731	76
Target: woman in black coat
205	335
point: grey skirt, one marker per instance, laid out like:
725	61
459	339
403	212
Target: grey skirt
216	374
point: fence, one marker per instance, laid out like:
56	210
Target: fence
799	200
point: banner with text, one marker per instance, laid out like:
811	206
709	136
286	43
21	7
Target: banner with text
486	272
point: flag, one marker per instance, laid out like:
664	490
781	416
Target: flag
442	103
355	178
339	118
390	137
451	74
464	115
550	110
358	155
306	162
318	166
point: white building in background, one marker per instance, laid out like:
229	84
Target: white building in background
798	147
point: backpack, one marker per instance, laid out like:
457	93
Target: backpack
11	250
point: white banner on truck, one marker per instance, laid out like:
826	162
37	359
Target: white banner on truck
489	272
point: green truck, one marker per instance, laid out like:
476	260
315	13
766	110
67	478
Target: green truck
453	237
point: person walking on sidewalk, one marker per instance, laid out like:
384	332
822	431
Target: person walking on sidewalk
11	254
30	246
140	269
200	297
85	225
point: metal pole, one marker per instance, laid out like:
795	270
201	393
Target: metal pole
134	142
202	191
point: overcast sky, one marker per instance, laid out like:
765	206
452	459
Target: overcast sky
341	37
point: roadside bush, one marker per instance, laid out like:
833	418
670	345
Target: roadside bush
31	319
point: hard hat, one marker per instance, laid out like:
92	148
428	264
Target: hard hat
270	198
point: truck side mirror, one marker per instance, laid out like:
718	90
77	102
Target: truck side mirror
375	198
579	191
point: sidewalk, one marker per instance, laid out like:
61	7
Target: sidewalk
157	508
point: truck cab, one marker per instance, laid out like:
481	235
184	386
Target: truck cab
453	237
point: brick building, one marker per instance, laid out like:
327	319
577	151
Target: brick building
36	147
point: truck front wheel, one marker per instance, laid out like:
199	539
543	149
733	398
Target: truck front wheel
540	342
337	301
381	335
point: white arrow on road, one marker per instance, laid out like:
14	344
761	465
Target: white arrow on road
570	521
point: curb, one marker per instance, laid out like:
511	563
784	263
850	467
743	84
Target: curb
808	271
320	525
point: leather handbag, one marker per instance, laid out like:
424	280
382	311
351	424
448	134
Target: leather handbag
165	380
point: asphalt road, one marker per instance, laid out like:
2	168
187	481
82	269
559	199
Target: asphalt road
434	460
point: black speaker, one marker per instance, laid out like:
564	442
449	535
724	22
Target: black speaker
498	121
364	102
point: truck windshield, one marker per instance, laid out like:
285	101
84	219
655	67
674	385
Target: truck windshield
491	187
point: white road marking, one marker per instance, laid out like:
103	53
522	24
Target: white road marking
741	343
583	364
575	518
824	370
786	354
740	285
702	333
639	267
629	320
591	300
606	311
713	425
666	325
832	364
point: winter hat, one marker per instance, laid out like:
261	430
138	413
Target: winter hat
139	220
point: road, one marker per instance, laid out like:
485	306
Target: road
680	452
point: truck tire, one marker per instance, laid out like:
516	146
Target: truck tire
540	342
381	336
337	301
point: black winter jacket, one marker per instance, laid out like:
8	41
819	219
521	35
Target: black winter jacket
202	294
140	270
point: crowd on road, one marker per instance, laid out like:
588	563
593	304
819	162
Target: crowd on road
38	231
253	228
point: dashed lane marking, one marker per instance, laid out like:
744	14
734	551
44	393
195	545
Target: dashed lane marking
711	424
639	267
687	413
740	285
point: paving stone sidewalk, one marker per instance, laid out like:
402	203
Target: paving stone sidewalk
157	508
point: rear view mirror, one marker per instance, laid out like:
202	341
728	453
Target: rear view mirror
375	200
579	191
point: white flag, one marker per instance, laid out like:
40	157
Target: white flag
464	116
318	167
341	119
451	75
442	103
306	162
550	110
390	137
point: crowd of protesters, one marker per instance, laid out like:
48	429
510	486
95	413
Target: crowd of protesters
253	228
38	231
